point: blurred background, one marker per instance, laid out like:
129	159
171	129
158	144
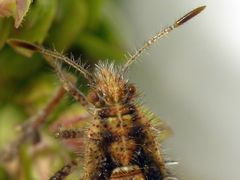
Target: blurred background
191	78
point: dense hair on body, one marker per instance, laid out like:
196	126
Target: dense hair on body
109	86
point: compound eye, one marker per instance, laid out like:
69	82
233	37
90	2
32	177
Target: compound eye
131	89
93	97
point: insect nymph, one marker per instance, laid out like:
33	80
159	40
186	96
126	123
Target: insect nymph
121	144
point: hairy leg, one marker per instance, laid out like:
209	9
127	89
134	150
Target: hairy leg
68	134
69	86
71	166
65	171
54	58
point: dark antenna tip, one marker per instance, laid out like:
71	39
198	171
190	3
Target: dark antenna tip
188	16
23	44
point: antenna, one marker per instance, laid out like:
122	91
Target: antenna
53	54
162	33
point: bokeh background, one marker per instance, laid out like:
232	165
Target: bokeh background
191	78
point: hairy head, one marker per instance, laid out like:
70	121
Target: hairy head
110	87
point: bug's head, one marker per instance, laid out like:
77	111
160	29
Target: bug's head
110	87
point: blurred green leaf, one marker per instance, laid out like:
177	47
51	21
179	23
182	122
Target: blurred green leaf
38	21
5	28
15	72
26	162
70	20
10	116
3	173
95	7
12	64
33	98
96	47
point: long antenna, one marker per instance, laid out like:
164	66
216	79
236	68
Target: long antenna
52	54
162	33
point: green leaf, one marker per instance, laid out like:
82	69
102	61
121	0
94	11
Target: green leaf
5	28
10	117
26	162
15	71
97	48
3	173
70	20
95	7
38	21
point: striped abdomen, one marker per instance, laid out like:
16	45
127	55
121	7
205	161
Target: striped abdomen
122	134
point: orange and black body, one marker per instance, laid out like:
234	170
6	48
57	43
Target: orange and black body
120	143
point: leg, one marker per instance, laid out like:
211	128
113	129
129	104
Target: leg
97	165
67	169
68	134
42	115
64	171
71	88
53	58
30	129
